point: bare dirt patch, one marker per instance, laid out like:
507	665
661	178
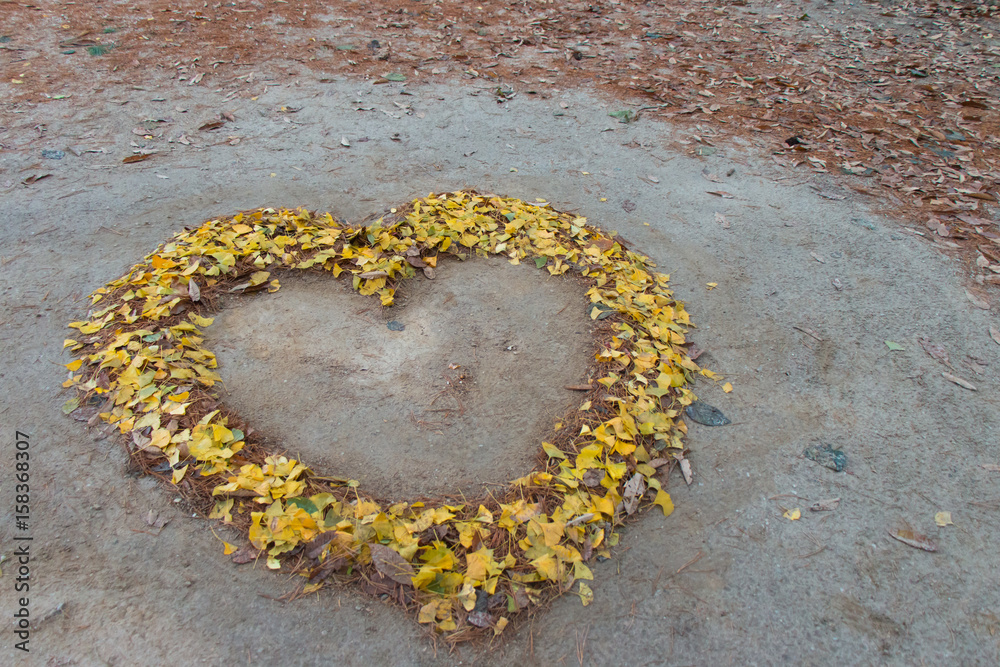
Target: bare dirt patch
458	399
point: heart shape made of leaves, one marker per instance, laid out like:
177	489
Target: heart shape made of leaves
465	569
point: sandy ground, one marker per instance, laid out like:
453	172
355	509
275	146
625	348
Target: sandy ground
809	289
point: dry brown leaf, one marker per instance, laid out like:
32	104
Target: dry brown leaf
193	290
936	351
414	260
957	380
154	520
247	554
137	158
632	493
827	505
915	540
977	301
391	565
686	471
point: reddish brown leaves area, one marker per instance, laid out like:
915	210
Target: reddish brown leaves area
900	100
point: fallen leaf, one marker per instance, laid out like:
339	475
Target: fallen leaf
936	351
915	540
721	219
552	451
586	594
193	290
137	158
792	515
391	565
664	501
976	301
480	619
344	142
991	467
34	178
943	519
818	258
727	387
247	554
995	334
959	381
212	125
686	471
827	505
720	193
155	521
632	493
894	346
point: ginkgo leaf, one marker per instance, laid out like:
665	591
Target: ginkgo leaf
552	451
664	501
586	594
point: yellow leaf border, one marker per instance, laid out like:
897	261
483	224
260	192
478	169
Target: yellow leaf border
463	569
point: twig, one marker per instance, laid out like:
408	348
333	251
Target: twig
690	562
808	332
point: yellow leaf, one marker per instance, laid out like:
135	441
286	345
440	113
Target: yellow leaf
663	500
552	451
547	566
229	548
258	277
467	596
199	320
712	286
500	625
727	387
943	519
586	594
74	365
428	613
792	515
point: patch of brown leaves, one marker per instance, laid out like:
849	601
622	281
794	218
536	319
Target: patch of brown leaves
898	98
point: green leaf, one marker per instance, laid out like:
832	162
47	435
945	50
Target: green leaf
394	76
552	451
624	116
70	405
540	261
304	503
893	346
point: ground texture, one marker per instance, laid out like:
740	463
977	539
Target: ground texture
814	270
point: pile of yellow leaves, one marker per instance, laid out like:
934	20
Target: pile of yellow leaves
141	359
